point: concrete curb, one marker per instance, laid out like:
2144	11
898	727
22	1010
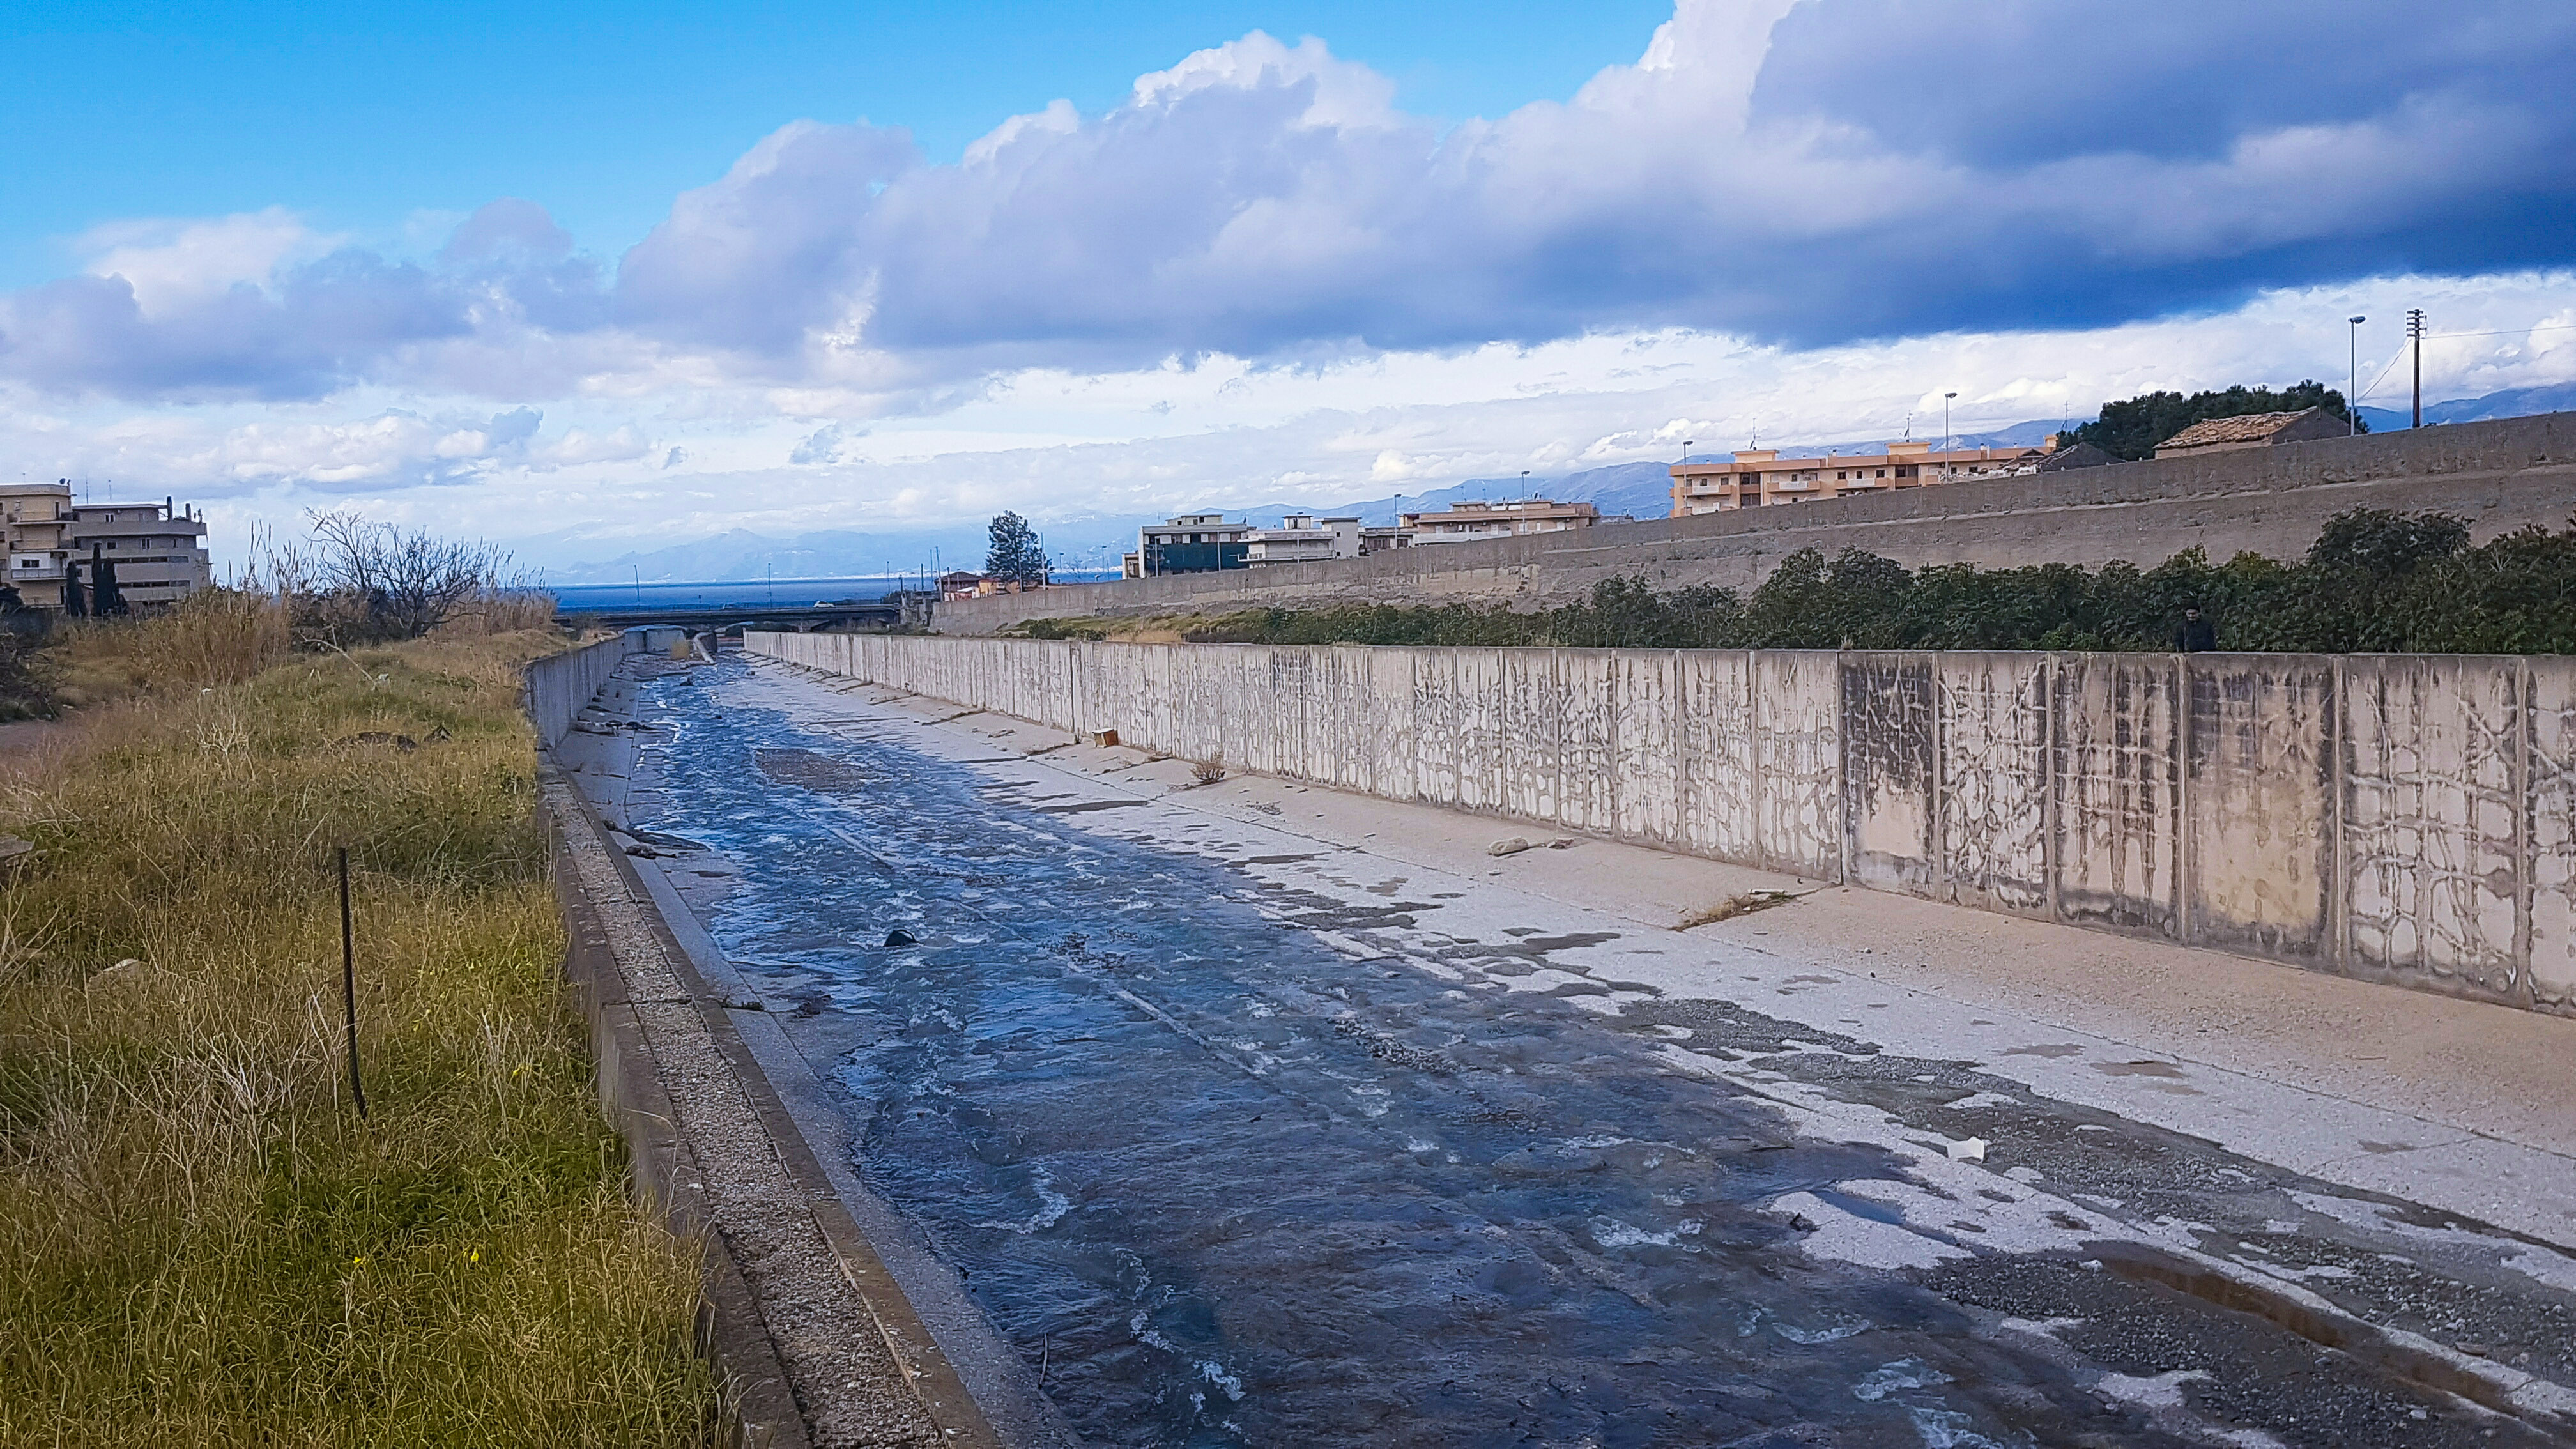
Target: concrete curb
759	1408
732	1328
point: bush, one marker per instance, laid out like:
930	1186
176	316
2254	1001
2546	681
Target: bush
2374	581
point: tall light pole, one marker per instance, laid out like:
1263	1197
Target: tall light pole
1945	431
2352	377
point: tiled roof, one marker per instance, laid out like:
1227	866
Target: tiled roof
2250	428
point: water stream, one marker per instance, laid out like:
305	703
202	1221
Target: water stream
1231	1186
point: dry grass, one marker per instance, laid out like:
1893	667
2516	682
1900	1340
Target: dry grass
212	637
200	1244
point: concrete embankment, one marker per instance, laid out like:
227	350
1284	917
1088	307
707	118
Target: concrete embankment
2402	818
2498	476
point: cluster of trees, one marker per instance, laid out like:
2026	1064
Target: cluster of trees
2374	581
2132	427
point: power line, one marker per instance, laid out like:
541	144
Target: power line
2505	332
2375	382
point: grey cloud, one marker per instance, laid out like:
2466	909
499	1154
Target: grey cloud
1887	168
322	325
1806	173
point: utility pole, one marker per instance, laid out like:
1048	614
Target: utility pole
1945	432
2352	376
2415	330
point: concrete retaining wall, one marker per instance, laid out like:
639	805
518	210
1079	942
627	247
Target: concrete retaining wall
556	689
2409	818
2499	476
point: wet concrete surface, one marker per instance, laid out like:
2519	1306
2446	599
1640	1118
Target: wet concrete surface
1238	1143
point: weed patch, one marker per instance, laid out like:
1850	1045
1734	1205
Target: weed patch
200	1243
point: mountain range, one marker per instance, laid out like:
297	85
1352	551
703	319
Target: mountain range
1093	543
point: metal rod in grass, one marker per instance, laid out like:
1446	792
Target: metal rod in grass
349	985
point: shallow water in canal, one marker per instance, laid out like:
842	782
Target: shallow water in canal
1232	1187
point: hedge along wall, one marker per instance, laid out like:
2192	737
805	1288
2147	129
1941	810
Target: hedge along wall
2409	818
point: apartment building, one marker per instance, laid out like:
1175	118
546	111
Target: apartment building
1300	538
1193	543
1469	522
159	549
1760	477
38	518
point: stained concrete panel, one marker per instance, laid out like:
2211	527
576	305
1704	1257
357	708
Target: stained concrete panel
2550	786
1890	795
2258	803
2116	773
1798	761
1716	766
1473	724
1529	730
1994	781
1390	703
1645	766
1588	724
2432	767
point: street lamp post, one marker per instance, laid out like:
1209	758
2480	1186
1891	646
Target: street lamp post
2352	377
1945	432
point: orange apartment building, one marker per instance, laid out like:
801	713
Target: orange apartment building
1760	477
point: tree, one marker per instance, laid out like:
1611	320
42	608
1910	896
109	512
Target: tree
368	581
2132	427
1013	556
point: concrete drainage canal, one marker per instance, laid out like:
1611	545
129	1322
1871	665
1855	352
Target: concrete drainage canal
1217	1179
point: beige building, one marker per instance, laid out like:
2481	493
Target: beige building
1469	522
1760	477
159	549
2254	430
1300	538
38	519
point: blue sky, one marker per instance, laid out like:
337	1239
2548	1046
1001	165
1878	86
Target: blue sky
364	117
587	280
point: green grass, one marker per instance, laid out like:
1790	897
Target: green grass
200	1243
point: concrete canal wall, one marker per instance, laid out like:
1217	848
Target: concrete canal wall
556	689
2499	476
2409	818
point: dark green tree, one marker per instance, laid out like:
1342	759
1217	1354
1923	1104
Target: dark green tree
1013	555
2132	427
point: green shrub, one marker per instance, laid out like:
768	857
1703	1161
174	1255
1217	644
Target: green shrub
2374	581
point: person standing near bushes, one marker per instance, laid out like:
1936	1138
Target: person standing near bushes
2197	635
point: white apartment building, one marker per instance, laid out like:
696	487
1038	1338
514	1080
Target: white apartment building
159	549
1470	522
1299	538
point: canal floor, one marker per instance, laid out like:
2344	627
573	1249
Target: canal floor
1237	1142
